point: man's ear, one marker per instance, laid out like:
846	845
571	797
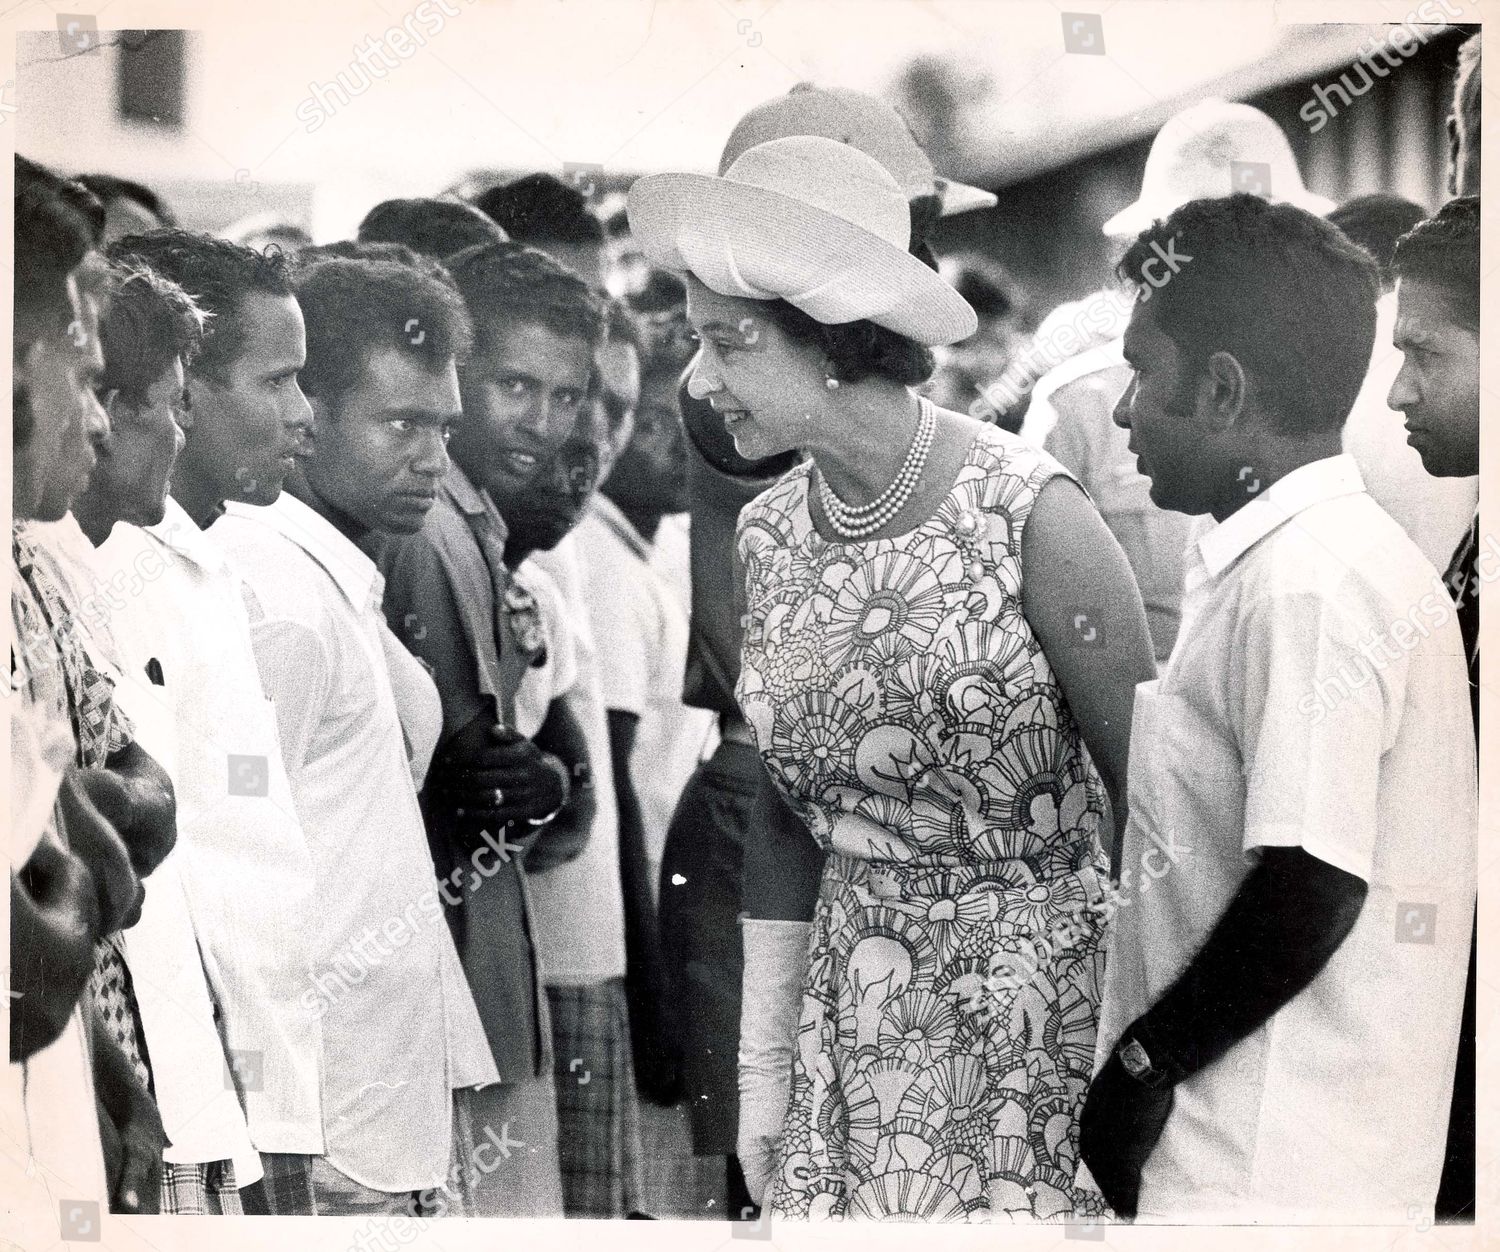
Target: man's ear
1223	392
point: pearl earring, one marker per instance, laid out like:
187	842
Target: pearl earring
831	383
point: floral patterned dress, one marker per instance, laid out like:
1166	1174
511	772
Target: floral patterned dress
905	708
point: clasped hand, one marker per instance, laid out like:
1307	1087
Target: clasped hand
491	777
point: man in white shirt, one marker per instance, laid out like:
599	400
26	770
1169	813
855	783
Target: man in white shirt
150	326
176	610
1437	390
357	723
1286	975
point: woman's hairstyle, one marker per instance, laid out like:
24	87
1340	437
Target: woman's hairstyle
354	308
857	350
1443	252
218	275
507	283
151	322
1284	292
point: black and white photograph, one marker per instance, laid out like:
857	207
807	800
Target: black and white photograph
755	614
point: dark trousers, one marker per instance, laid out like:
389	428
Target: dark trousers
701	878
1455	1198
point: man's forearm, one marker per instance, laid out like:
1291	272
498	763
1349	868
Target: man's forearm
1284	924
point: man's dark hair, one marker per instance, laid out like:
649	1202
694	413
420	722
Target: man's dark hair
433	227
354	308
108	187
621	326
1375	222
57	225
1286	293
540	209
354	250
1443	252
857	350
218	275
661	292
150	323
981	287
506	283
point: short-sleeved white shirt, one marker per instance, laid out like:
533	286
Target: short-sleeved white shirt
400	1029
574	954
641	630
174	604
1268	728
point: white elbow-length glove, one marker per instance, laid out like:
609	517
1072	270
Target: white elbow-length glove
770	1006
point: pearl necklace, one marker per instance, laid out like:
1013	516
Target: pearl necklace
856	521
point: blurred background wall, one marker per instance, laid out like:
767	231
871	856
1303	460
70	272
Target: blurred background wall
264	116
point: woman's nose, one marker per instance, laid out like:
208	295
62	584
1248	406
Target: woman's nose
701	385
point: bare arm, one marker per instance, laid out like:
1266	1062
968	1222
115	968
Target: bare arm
1080	597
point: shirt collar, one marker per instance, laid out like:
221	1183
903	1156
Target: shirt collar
354	573
1307	485
470	500
181	534
608	512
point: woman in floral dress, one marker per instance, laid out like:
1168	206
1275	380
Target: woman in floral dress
942	640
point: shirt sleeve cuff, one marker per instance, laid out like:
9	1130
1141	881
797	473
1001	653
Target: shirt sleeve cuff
1326	849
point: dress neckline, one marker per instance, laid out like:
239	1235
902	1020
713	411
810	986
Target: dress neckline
805	501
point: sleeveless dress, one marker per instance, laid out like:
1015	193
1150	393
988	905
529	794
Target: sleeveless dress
905	709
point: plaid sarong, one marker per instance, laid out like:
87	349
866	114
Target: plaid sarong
599	1127
203	1190
285	1188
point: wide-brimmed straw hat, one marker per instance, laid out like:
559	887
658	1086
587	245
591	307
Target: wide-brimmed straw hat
1211	150
863	121
808	220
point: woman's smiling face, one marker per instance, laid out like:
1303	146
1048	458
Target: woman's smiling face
765	384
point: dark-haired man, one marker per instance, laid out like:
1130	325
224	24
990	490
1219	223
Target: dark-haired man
73	879
431	226
1437	332
178	617
452	596
357	720
149	329
248	417
1286	974
546	213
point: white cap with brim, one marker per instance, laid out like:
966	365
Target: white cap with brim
1212	150
804	219
863	122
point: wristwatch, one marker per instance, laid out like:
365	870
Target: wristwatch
1138	1064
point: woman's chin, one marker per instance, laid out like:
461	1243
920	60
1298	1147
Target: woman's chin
752	444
